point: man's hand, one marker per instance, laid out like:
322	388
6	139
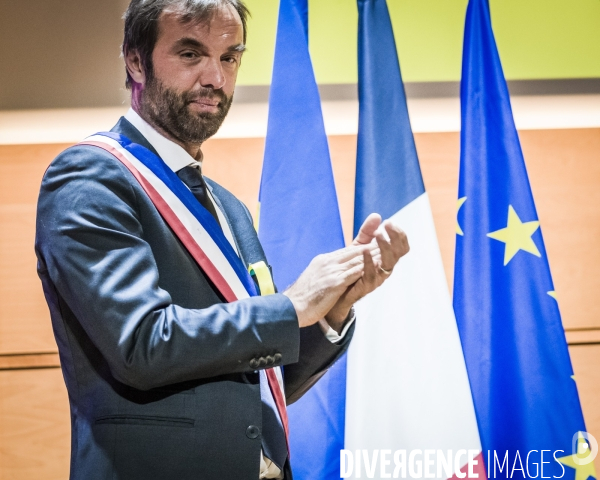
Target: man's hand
325	279
378	264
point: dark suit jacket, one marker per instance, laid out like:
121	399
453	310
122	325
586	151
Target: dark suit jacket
156	365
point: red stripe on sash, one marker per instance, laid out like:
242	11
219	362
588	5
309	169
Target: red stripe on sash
280	402
171	218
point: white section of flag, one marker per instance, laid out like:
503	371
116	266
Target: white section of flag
407	385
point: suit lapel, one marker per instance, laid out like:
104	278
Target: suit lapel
229	223
241	225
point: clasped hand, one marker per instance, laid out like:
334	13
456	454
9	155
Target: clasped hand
334	281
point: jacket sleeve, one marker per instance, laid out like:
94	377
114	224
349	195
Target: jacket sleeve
90	243
317	353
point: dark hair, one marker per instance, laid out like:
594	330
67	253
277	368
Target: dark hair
141	23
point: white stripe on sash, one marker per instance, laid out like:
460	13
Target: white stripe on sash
187	219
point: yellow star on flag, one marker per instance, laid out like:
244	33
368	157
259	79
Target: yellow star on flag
459	203
516	236
583	469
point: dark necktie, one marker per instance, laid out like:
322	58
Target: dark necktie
192	177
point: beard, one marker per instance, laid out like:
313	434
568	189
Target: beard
170	110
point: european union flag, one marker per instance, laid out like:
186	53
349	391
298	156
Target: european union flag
515	348
299	219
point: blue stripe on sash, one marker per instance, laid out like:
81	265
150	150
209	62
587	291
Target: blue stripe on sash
172	181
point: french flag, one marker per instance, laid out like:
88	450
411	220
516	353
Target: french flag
407	386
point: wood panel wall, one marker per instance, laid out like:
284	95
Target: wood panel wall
564	170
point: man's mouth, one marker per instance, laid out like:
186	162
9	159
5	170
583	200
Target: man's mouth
211	102
205	105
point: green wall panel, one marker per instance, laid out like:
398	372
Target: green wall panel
257	64
548	38
537	39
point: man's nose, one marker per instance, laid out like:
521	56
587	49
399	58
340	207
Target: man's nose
212	75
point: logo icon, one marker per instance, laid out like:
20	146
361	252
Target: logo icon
585	448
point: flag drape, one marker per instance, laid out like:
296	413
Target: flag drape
516	353
383	183
299	219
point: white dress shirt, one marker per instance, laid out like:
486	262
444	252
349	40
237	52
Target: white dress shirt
176	158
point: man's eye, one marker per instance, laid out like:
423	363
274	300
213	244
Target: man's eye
230	60
188	55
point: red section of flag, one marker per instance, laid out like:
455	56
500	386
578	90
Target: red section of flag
478	470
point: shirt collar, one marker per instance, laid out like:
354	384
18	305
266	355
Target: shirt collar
172	154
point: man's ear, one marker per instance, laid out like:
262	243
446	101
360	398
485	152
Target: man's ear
133	63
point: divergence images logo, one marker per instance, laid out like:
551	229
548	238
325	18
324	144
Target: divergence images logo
585	447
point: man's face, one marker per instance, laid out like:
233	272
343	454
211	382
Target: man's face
195	66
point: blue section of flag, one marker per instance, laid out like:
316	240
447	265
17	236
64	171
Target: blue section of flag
299	219
174	183
388	176
511	331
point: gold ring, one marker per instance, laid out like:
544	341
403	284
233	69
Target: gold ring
387	272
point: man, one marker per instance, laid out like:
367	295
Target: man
172	368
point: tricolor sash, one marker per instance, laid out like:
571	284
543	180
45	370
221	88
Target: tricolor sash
195	227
